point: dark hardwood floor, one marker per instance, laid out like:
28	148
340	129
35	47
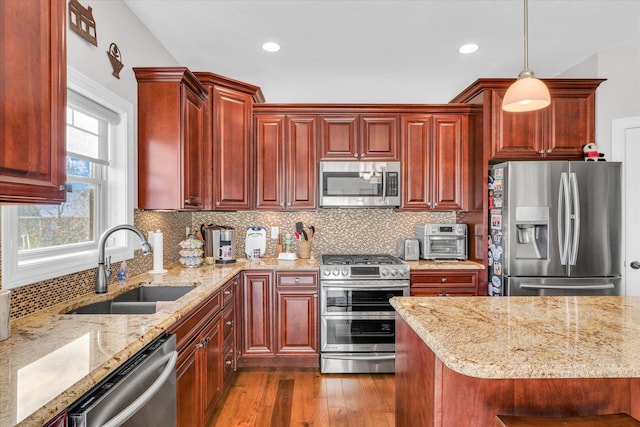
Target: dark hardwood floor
305	398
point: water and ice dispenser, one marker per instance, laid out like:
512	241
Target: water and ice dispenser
532	232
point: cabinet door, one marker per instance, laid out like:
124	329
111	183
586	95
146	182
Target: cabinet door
571	123
450	163
416	136
210	355
339	137
516	136
33	97
232	149
302	164
194	151
257	329
379	138
297	329
270	162
189	412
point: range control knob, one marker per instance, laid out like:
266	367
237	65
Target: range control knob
344	272
335	272
327	273
394	272
385	271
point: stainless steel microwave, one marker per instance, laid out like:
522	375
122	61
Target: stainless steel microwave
354	184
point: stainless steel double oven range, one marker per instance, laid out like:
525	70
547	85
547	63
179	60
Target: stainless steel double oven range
357	330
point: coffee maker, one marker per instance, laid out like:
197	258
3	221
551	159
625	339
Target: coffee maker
219	243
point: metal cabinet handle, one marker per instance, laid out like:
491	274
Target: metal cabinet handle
297	280
187	201
228	362
635	265
541	152
229	322
549	150
443	280
355	154
145	397
227	292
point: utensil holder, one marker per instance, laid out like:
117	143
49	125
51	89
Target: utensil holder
304	249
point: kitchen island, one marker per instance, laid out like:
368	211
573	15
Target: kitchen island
461	361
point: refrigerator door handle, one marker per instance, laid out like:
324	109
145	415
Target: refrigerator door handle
563	218
561	286
575	216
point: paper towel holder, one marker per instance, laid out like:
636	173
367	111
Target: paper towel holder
156	241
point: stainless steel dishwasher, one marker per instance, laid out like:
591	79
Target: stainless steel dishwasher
142	392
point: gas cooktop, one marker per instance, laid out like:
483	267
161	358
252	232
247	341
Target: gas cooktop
357	259
362	267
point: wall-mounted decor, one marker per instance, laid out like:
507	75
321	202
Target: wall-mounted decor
81	21
116	59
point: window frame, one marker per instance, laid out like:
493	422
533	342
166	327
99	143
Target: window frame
120	203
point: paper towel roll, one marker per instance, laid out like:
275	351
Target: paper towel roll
155	239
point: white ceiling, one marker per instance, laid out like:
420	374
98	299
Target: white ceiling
363	51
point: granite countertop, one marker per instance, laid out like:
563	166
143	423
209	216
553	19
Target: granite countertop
424	264
51	359
529	337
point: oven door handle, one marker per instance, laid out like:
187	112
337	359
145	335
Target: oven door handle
371	285
447	237
390	356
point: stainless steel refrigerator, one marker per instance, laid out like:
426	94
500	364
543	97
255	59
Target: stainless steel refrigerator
555	228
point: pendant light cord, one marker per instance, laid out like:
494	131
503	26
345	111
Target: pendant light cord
526	35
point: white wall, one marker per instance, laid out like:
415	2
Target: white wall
619	96
115	23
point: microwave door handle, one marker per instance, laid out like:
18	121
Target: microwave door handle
384	185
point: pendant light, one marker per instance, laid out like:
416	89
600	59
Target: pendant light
527	93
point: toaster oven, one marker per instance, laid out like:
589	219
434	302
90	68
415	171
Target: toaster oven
442	241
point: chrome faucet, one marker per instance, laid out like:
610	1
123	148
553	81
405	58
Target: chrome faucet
104	269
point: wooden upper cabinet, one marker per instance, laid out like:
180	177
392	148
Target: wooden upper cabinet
33	96
339	137
286	162
270	162
434	162
173	155
359	137
379	137
556	132
229	127
232	150
302	163
450	162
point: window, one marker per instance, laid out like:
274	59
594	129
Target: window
40	242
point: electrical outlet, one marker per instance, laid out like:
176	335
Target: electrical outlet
275	231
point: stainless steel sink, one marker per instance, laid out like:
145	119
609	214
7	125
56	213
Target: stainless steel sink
142	300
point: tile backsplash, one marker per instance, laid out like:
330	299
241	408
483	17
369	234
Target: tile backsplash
337	231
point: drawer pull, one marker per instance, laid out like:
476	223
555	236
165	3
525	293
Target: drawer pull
229	322
228	362
443	280
227	292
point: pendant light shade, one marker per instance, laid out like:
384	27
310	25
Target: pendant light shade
527	93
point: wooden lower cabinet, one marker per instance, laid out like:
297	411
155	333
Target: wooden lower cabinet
444	283
297	314
203	338
280	323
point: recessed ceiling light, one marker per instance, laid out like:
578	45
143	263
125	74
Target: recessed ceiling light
468	48
271	47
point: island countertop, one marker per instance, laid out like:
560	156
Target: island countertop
529	337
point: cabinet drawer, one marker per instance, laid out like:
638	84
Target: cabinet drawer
443	292
228	364
189	326
447	279
228	290
229	323
297	279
